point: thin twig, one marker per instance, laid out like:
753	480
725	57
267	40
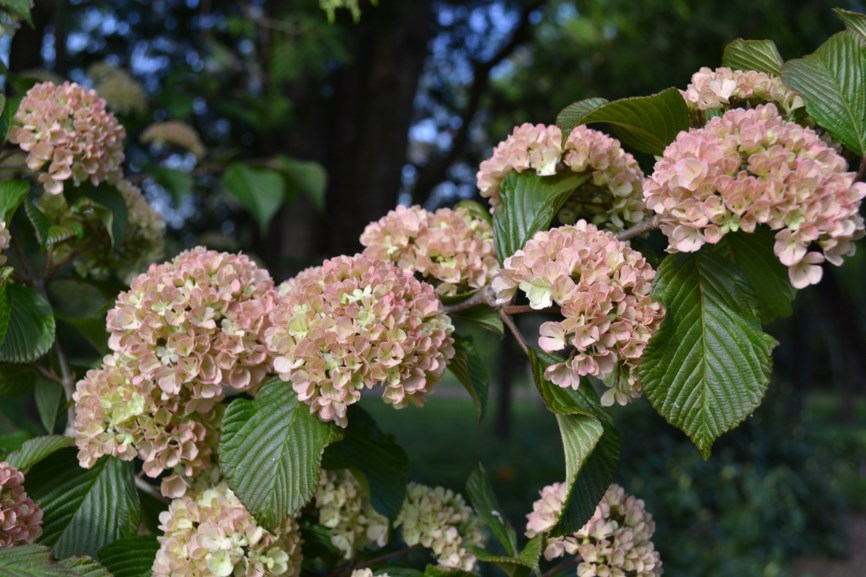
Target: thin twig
46	374
149	489
522	309
563	566
68	382
509	322
482	297
638	229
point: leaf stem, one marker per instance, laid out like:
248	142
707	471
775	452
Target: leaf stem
638	229
509	322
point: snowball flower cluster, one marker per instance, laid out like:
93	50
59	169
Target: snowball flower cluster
615	542
725	88
20	517
68	134
450	249
175	133
751	167
123	93
603	289
359	322
440	520
345	509
612	193
211	534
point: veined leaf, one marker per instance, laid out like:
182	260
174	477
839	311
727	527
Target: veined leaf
84	567
469	369
854	21
31	561
482	497
35	450
760	55
522	564
130	556
12	192
259	190
31	326
570	117
483	316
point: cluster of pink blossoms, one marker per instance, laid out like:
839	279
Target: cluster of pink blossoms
613	193
450	249
68	128
603	289
615	542
725	88
175	133
211	534
20	517
750	167
346	511
358	322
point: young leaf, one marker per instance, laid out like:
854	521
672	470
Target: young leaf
521	565
271	451
469	369
832	82
111	209
130	556
708	366
31	561
84	567
6	118
483	316
260	191
35	450
570	117
854	21
12	192
49	400
308	178
484	500
760	55
31	326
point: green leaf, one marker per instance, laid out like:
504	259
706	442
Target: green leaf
305	177
854	21
19	8
84	509
50	398
2	99
31	326
31	561
85	567
271	451
6	118
469	369
178	183
760	55
13	442
35	450
12	192
522	565
483	316
259	190
130	556
831	82
527	204
644	123
40	222
474	209
78	298
114	214
5	310
365	448
570	117
482	497
708	366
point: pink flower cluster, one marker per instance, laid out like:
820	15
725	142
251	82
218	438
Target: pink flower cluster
450	249
725	88
20	516
603	289
176	133
68	128
211	534
751	167
358	322
615	542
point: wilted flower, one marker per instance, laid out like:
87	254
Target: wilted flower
20	517
175	133
123	93
439	519
750	167
724	88
603	289
345	509
450	249
211	534
359	322
69	133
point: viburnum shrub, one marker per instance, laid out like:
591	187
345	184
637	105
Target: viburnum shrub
220	432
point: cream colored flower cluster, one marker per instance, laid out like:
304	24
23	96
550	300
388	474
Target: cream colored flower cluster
20	516
603	289
175	133
440	520
615	542
450	249
211	534
68	132
345	509
724	88
354	323
367	573
123	93
750	167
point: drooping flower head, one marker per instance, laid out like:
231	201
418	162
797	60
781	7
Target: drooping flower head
68	134
617	540
175	133
440	520
20	516
345	509
211	534
724	88
603	289
359	322
450	249
123	93
750	167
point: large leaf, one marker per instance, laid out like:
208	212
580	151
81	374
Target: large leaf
482	497
831	82
854	21
483	316
760	55
12	192
570	117
271	451
84	509
130	556
527	204
31	326
366	449
35	450
85	567
708	366
469	369
305	177
31	561
261	191
644	123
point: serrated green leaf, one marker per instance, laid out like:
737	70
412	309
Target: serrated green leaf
178	183
35	450
18	8
527	204
305	177
854	21
271	451
12	192
40	222
31	561
85	567
57	233
831	82
760	55
365	448
50	399
260	191
130	556
644	123
570	117
483	316
111	209
523	564
469	369
6	117
708	366
481	495
84	509
31	326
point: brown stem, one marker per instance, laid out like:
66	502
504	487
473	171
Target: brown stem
562	567
482	297
68	382
46	374
149	489
522	309
509	322
638	229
